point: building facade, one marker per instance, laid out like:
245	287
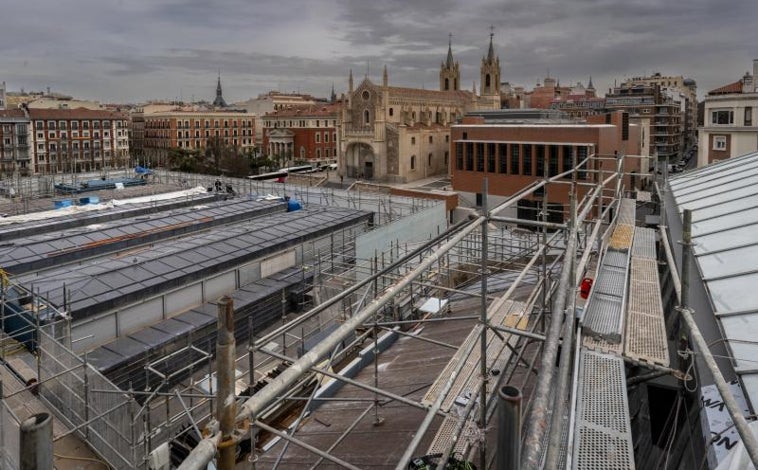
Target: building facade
395	134
302	134
513	156
192	130
75	140
15	156
730	126
664	110
273	101
2	95
683	90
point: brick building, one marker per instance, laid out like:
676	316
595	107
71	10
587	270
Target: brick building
164	130
305	133
74	140
514	155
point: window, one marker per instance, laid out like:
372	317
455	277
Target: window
75	125
318	153
469	156
581	155
392	112
51	124
302	152
429	160
62	124
366	117
540	157
447	157
553	162
85	125
515	170
748	116
503	160
527	156
431	139
491	158
459	155
413	141
447	138
568	158
413	162
719	142
722	117
318	137
326	137
479	156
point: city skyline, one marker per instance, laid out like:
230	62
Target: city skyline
132	51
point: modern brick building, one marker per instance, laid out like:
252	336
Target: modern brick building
730	126
514	155
305	133
74	140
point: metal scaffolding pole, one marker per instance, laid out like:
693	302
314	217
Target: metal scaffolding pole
255	404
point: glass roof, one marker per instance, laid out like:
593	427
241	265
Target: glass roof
723	198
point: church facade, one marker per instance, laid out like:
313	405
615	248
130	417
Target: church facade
396	135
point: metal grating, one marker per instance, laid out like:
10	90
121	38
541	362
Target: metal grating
644	243
644	297
603	317
627	210
602	429
621	239
611	281
616	259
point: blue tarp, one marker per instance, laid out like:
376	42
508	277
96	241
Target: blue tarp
140	170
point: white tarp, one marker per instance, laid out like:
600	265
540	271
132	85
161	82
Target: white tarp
718	427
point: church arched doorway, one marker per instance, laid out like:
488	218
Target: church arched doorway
360	161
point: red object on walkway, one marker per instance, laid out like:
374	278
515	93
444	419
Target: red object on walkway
585	287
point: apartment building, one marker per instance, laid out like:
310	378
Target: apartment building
15	158
729	128
302	133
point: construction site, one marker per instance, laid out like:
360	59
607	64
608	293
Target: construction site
199	322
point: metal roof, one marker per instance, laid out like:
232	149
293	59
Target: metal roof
100	284
52	249
723	198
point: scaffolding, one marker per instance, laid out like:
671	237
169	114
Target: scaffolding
512	289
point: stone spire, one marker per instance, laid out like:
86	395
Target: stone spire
350	82
385	77
490	72
333	96
219	101
450	74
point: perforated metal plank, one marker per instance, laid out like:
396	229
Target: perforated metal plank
496	318
603	438
621	239
444	437
644	243
643	196
600	345
645	338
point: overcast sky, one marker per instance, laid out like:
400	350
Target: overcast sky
135	50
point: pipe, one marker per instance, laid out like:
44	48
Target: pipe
36	443
225	393
255	404
509	428
202	454
533	223
556	419
483	337
537	420
740	423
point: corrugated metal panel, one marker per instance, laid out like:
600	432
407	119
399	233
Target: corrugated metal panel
603	438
